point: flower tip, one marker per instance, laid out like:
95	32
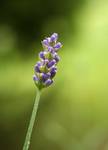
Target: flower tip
45	42
54	37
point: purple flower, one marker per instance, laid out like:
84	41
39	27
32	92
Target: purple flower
45	76
46	68
37	68
51	63
42	55
54	37
57	46
45	42
35	78
55	56
53	71
50	49
48	82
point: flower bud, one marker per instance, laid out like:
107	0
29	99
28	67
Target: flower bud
58	46
53	72
51	63
35	78
45	76
48	82
54	37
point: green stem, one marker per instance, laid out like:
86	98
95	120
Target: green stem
32	120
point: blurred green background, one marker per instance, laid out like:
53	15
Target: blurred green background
73	112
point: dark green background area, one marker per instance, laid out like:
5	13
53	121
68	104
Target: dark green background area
72	113
28	18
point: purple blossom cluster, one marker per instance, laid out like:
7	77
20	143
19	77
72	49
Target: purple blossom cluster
46	68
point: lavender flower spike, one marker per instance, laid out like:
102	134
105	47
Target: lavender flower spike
46	68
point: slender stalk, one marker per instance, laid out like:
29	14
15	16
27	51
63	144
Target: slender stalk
32	120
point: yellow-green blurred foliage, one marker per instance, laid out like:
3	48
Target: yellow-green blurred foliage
73	112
